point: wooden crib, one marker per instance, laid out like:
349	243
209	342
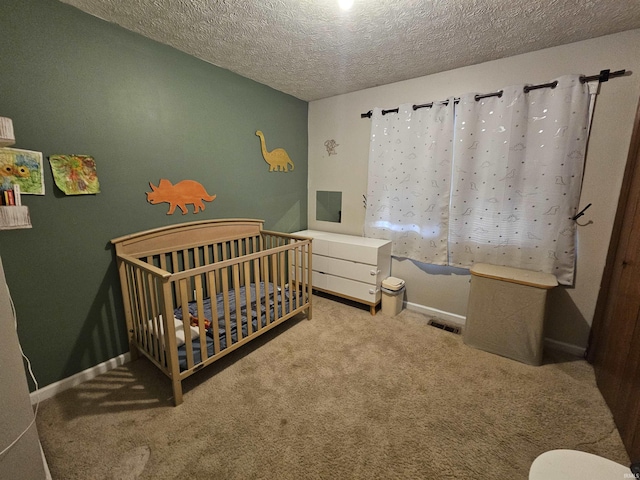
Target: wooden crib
196	291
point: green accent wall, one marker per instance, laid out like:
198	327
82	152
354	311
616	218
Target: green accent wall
74	84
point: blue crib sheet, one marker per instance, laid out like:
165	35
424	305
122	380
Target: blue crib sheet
252	309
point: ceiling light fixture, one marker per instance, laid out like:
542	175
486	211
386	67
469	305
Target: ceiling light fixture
345	4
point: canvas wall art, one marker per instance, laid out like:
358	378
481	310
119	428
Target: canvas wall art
75	174
23	168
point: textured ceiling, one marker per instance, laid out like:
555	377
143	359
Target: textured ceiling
311	49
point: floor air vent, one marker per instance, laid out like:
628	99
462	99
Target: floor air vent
444	326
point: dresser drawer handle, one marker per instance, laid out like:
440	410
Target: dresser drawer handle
373	291
374	272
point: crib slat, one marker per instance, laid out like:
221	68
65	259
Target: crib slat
173	266
142	302
274	281
139	312
174	262
216	259
308	279
198	260
226	250
184	298
247	294
152	320
236	287
143	313
227	310
185	260
300	273
204	354
136	299
257	279
147	315
173	367
207	261
265	277
304	267
289	259
241	246
250	245
215	330
133	304
306	274
160	341
186	265
283	283
163	261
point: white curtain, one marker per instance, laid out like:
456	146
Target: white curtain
409	180
518	163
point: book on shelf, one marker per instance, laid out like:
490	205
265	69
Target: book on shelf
7	198
11	197
17	198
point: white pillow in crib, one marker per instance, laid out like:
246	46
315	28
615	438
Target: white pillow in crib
195	333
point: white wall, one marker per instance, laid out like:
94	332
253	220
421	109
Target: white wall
337	118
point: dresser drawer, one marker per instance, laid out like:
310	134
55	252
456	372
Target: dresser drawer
347	288
344	268
357	252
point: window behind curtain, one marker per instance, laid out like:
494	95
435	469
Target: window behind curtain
504	193
518	162
409	180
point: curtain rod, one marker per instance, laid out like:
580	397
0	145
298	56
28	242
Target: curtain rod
603	76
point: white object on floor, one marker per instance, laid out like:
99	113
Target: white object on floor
392	295
575	465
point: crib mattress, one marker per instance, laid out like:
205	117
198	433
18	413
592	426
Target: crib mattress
252	311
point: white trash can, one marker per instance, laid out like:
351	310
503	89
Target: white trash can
392	296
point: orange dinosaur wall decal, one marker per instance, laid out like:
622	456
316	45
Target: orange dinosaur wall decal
179	195
278	159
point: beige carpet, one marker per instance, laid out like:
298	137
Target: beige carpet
345	395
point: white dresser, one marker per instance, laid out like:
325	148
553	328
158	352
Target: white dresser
349	266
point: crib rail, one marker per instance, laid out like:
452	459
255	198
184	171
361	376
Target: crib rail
250	284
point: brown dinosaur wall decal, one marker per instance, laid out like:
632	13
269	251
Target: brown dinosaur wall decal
278	159
179	195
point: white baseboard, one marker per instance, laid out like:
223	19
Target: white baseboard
69	382
460	320
434	312
565	347
47	472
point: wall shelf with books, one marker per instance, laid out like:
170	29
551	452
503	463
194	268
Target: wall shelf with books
12	213
13	217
